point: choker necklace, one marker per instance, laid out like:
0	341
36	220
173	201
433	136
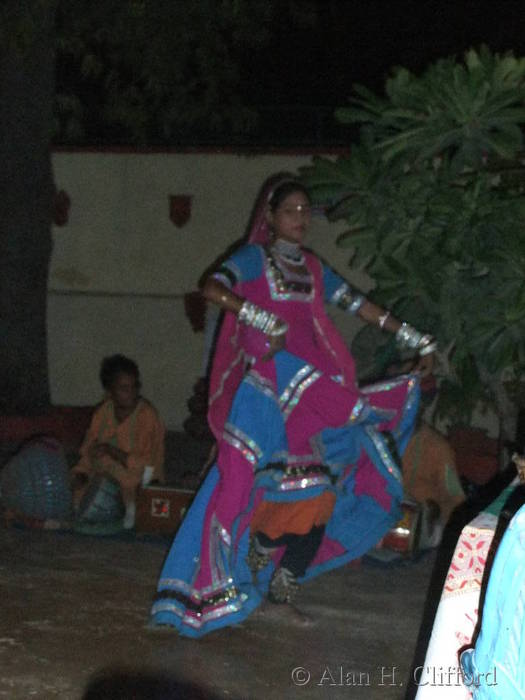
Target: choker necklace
288	251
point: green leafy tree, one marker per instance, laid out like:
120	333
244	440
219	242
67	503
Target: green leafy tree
148	72
433	194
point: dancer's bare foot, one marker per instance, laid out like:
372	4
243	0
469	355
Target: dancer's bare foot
297	616
286	613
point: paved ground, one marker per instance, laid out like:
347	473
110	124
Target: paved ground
73	625
74	610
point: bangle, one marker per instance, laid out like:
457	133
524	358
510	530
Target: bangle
348	299
408	337
427	345
381	320
278	328
270	324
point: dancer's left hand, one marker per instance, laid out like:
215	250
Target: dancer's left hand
425	365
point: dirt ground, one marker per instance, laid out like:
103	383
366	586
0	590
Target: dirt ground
74	615
74	623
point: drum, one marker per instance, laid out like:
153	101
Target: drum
35	481
102	502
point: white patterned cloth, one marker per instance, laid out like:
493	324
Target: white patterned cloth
457	614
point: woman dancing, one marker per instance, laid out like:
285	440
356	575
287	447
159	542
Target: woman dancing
307	474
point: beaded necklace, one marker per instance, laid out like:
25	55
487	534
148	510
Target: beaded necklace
288	251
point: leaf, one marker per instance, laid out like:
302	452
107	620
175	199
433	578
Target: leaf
433	194
356	238
353	115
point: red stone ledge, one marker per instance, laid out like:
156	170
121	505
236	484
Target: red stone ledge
68	424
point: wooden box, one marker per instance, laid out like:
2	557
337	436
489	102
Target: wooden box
160	509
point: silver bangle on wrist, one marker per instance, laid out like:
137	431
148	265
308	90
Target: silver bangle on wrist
278	328
270	324
427	345
407	337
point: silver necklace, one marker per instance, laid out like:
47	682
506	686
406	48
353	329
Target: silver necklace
290	252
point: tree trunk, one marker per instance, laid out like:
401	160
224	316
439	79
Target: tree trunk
26	112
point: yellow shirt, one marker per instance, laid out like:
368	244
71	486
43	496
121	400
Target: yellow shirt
141	435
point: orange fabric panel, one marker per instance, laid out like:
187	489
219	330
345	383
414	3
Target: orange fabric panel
276	519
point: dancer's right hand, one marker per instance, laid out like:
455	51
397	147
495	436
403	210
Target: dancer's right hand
274	343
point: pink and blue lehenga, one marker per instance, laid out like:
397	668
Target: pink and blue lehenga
288	430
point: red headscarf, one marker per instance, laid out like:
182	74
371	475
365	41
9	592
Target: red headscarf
229	362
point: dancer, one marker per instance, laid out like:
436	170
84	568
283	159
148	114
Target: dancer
307	477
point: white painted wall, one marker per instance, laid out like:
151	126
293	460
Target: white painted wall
120	267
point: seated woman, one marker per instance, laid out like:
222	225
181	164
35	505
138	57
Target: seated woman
305	477
125	440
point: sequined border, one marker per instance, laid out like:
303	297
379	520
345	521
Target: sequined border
303	483
279	289
357	410
222	595
362	410
238	358
219	547
384	452
291	396
189	591
410	380
389	384
262	384
411	398
242	442
196	614
295	478
326	342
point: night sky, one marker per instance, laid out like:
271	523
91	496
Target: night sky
360	41
307	71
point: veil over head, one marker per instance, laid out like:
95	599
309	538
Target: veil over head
228	361
258	228
228	365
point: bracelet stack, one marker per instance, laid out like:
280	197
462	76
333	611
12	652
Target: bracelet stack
408	338
270	324
348	299
427	345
